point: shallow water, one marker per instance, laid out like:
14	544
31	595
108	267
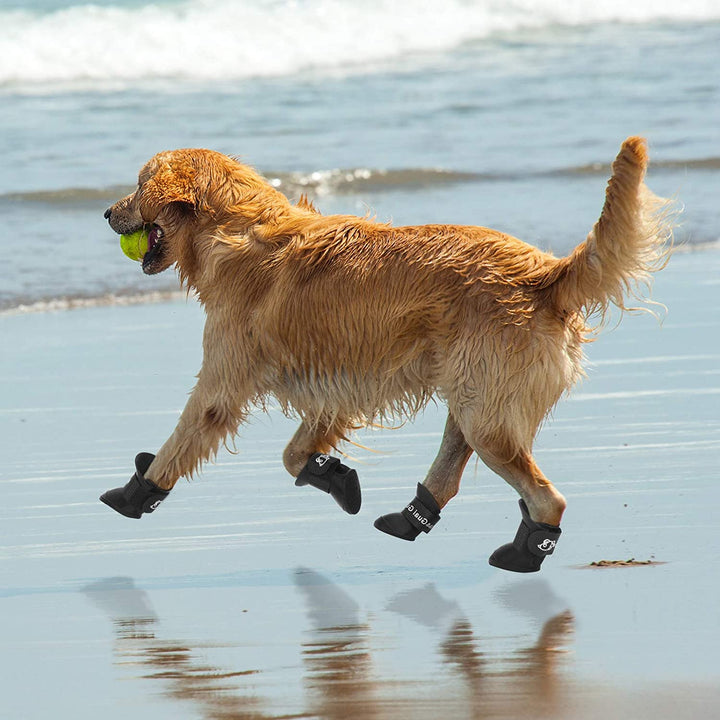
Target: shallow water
486	114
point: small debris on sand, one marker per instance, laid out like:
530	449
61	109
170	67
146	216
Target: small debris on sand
632	562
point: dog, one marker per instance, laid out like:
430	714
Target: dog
347	321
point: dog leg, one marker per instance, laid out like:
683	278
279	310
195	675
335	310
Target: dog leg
544	502
440	486
303	444
203	425
306	458
216	407
541	507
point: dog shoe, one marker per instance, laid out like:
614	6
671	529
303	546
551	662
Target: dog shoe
329	475
140	495
420	515
532	544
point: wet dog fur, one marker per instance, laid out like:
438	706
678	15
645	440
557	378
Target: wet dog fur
347	321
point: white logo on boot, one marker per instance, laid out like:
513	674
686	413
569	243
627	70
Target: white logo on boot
322	459
547	545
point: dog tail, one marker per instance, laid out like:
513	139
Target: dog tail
631	240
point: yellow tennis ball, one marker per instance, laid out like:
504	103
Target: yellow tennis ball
135	245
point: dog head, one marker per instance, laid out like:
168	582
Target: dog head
185	198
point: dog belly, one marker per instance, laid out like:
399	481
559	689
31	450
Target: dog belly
352	397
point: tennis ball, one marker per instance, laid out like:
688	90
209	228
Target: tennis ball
135	245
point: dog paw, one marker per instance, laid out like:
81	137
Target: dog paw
420	515
397	525
532	544
328	474
139	495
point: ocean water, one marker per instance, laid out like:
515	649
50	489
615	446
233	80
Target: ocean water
504	114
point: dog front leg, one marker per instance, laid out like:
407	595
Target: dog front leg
306	458
214	410
304	443
439	487
211	415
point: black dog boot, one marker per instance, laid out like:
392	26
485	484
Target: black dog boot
329	475
420	515
533	542
140	495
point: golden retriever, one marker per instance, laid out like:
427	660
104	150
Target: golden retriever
348	321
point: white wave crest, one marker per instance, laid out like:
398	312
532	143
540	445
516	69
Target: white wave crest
209	40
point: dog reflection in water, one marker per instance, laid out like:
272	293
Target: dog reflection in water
342	660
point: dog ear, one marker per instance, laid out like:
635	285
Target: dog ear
173	181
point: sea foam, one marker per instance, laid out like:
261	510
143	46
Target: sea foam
225	40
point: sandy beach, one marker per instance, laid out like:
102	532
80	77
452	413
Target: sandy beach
245	597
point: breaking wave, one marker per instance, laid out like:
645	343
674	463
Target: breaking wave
228	40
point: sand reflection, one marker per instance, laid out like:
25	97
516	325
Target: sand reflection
344	665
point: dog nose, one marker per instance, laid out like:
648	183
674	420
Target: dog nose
108	213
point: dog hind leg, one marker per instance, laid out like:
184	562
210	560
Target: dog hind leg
541	506
439	487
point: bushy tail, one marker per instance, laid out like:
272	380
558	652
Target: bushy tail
631	240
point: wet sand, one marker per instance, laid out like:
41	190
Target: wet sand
245	597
